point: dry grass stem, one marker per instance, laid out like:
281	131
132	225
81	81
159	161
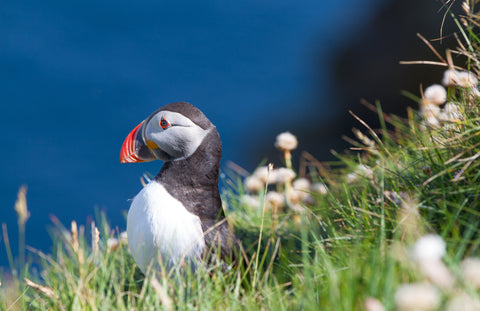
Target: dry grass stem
21	206
75	242
431	48
44	290
167	302
426	62
373	133
95	238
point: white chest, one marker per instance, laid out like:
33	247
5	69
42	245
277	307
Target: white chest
159	227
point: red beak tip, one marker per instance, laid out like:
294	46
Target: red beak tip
127	152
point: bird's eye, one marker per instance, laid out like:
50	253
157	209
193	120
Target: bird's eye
164	123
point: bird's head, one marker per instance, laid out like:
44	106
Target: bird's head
173	132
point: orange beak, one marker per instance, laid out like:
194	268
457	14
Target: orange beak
134	149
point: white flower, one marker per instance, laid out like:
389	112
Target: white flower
251	201
264	175
430	111
351	177
297	196
437	272
284	175
286	141
275	199
301	184
417	297
428	247
471	271
452	112
292	196
450	77
427	254
319	188
474	92
307	198
435	94
461	78
253	184
296	208
431	114
432	122
467	79
302	189
123	237
463	302
112	243
373	304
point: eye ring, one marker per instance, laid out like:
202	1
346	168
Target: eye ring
164	123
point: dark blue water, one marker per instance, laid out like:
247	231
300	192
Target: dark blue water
75	78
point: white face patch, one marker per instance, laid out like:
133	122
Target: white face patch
158	225
179	140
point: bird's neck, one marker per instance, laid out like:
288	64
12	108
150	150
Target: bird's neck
194	180
189	173
198	170
196	174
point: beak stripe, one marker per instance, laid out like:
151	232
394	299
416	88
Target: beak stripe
127	153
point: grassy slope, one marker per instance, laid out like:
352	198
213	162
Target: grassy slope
351	244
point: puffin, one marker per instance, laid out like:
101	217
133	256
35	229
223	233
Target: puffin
177	218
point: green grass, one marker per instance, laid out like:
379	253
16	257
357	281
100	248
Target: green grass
345	246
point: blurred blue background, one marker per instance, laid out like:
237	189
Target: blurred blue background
76	77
